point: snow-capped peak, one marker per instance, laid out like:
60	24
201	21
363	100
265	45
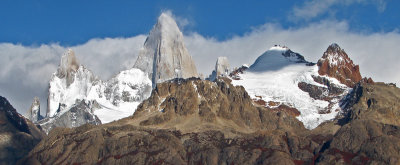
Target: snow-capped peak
164	55
275	58
68	85
334	46
279	48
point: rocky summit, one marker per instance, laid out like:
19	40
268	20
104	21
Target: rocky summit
164	55
34	112
336	63
222	68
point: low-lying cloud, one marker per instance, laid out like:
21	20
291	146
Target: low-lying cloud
25	71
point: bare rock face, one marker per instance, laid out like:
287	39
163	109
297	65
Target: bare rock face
164	55
17	134
34	111
378	102
336	63
364	142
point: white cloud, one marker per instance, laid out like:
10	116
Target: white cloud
314	8
25	71
182	22
106	57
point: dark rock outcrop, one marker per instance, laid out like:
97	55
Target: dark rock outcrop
336	63
17	134
235	73
80	114
327	92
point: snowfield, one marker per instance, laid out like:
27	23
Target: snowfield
275	78
122	95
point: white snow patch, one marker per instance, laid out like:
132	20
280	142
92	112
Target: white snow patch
281	85
116	98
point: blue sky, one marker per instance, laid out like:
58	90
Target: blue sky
107	35
75	22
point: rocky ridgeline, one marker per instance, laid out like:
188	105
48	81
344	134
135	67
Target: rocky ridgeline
195	104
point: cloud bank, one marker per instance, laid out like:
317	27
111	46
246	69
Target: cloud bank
314	8
25	71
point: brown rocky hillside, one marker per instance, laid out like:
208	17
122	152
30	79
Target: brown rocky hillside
17	134
201	122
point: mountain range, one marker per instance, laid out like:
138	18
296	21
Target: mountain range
282	109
